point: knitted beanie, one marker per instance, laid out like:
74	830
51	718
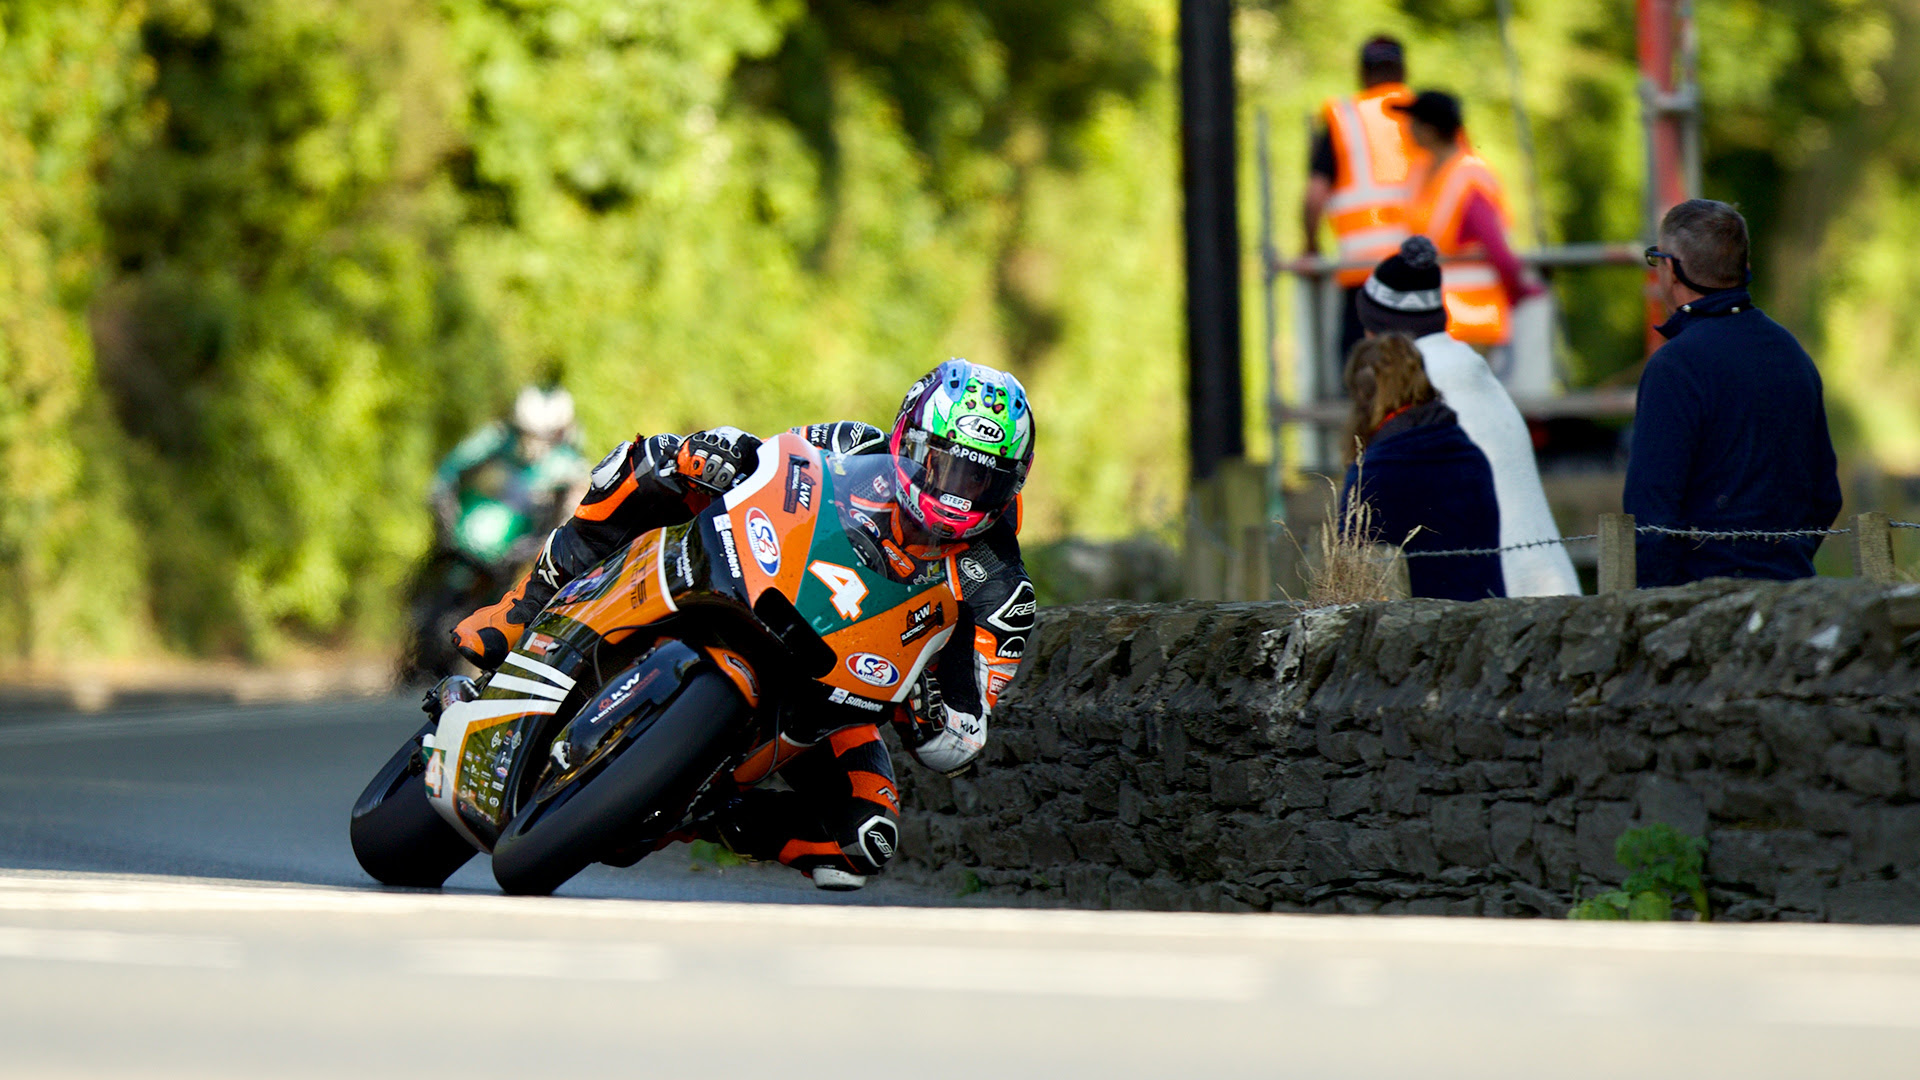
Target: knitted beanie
1403	292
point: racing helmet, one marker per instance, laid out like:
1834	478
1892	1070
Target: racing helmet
543	414
962	446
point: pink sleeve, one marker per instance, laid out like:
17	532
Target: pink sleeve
1482	223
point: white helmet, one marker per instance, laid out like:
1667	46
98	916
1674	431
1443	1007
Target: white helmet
543	414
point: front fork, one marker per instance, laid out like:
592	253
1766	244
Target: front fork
453	688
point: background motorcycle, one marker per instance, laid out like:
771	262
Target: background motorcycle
489	543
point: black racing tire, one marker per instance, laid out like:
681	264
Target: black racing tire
399	838
547	843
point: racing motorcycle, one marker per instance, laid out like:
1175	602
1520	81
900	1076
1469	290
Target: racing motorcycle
684	668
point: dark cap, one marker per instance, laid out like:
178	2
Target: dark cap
1381	49
1439	111
1403	292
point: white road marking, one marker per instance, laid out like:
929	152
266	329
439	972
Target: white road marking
113	947
1354	982
1113	974
1841	999
48	891
539	959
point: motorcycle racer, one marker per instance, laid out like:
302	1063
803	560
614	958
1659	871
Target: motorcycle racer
532	455
945	481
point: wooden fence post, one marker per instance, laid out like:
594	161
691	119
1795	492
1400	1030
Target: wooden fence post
1873	548
1617	570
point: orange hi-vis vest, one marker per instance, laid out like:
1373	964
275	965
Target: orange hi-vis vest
1476	303
1375	159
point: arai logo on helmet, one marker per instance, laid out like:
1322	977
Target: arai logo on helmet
873	670
763	540
981	428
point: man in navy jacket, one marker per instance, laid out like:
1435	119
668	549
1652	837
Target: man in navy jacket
1731	431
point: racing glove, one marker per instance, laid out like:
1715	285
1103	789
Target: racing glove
944	740
716	459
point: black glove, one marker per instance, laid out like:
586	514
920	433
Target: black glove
926	713
717	459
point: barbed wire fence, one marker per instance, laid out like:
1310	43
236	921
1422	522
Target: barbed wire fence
1872	542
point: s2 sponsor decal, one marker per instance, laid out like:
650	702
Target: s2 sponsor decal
763	541
973	569
1014	647
873	669
979	427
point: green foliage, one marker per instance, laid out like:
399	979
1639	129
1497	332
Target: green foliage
1663	867
706	853
266	260
319	240
66	70
970	883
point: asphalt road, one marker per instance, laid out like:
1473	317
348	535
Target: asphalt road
177	899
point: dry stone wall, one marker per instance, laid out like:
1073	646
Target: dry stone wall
1441	757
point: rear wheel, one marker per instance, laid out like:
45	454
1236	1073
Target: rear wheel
397	835
652	777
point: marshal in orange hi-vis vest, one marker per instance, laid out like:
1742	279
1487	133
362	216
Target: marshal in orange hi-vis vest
1476	303
1375	159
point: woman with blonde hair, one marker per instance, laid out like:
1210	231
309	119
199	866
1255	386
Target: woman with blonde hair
1429	486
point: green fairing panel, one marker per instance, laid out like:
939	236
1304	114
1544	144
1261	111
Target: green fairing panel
830	544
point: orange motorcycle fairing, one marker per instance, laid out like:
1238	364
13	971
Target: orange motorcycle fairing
738	671
614	599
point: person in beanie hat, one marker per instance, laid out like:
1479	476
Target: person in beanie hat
1403	295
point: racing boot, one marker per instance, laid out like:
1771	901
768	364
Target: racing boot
759	824
486	636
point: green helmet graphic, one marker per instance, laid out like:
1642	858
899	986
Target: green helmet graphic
969	431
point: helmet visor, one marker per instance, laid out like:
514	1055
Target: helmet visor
968	480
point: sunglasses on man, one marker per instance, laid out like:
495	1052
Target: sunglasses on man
1653	256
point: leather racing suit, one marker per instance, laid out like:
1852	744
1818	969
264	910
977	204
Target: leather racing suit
840	820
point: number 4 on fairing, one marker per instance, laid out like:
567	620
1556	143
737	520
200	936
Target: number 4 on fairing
848	589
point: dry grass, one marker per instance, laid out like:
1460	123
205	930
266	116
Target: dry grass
1351	570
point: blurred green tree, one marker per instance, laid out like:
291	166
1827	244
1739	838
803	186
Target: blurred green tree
266	259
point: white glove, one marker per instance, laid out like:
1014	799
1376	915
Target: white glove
943	739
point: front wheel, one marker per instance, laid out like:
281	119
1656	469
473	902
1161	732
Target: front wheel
397	835
653	776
